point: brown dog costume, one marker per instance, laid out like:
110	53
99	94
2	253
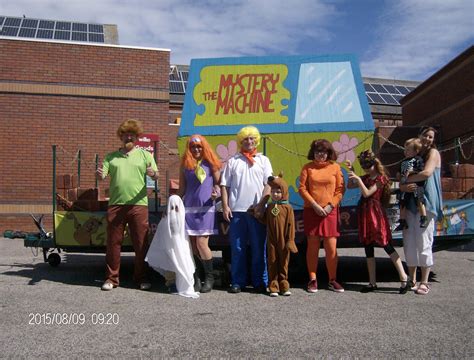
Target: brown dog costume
280	220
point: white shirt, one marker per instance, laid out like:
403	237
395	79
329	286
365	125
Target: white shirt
245	182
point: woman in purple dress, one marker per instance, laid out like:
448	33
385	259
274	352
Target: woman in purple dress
199	187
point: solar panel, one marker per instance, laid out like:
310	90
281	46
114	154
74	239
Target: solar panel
403	90
398	97
29	23
44	34
376	98
46	24
51	29
389	99
379	88
391	89
176	87
62	35
96	37
9	31
174	76
79	36
27	32
79	27
386	94
184	75
12	22
369	87
96	28
61	25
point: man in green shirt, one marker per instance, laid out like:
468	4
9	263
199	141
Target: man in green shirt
128	203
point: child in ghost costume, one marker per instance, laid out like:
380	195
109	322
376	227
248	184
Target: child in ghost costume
170	249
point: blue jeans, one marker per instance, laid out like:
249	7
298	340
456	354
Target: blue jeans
246	231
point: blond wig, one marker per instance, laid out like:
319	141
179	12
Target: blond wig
248	131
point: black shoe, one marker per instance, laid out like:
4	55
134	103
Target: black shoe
423	221
368	288
404	288
402	225
197	282
208	276
261	289
172	289
235	289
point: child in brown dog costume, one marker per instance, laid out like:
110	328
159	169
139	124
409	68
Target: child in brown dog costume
280	221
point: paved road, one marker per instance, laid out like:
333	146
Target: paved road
155	324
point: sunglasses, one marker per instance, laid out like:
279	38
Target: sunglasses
366	164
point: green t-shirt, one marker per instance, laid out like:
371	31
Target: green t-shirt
128	176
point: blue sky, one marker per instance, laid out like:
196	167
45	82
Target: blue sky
396	39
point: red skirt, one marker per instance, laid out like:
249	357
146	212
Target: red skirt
315	225
374	226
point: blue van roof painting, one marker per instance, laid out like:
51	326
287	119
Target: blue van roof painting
279	94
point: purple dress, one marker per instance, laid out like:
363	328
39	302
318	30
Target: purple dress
199	207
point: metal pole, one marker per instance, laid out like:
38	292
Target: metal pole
96	168
155	152
54	179
457	144
79	168
265	145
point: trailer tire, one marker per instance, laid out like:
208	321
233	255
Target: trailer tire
54	260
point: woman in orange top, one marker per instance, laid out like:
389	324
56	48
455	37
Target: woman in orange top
322	188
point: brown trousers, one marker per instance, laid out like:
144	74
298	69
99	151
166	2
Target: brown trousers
136	216
278	259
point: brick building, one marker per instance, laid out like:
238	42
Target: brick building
73	95
446	101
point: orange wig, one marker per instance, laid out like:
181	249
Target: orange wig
189	162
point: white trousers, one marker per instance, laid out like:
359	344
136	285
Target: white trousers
417	241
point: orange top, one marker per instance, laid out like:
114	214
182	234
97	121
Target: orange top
323	183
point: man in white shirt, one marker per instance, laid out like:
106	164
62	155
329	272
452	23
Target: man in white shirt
244	185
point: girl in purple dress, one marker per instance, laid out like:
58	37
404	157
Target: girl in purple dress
199	187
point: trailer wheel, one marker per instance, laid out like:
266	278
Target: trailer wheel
54	260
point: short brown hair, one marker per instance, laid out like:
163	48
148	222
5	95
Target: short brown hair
322	144
130	126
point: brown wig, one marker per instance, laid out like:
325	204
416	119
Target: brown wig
322	145
130	126
189	162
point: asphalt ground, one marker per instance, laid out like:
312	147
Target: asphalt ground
51	312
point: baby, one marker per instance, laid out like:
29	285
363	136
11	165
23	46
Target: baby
412	164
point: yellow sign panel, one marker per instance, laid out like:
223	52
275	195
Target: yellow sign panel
81	228
241	94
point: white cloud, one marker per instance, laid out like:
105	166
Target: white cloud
193	29
417	37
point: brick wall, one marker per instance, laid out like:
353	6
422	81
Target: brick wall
446	99
32	123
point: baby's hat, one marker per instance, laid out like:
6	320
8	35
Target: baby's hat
278	182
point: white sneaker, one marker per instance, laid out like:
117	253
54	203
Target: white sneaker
274	294
287	293
107	286
145	286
